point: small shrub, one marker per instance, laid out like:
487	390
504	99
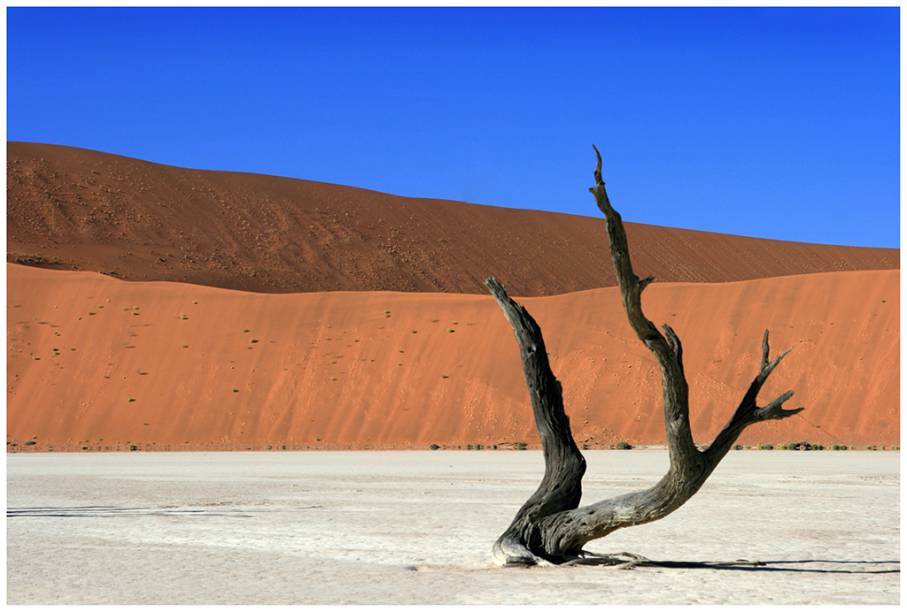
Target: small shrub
738	447
766	447
133	447
623	445
521	446
469	447
431	446
839	447
801	446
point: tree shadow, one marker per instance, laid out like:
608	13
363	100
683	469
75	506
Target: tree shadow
632	561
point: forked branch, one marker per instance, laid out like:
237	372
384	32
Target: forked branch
748	411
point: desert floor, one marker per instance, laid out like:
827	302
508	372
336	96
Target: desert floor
417	527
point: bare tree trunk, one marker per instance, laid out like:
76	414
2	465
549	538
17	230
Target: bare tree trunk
551	526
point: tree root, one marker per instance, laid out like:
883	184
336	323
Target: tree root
623	560
510	552
627	560
517	555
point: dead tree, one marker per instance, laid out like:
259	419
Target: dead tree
550	526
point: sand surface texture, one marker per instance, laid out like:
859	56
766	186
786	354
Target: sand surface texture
143	221
417	527
99	363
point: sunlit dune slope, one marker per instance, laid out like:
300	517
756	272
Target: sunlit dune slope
100	363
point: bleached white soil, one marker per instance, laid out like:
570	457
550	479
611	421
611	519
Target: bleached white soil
417	527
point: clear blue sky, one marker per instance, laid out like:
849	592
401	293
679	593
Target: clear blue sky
781	123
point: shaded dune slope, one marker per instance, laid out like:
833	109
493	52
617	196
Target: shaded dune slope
74	208
98	362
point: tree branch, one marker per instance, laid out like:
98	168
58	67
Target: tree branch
668	351
748	411
561	487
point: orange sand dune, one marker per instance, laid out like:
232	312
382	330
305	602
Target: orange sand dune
74	208
100	363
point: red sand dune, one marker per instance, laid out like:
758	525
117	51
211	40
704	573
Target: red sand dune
100	363
74	208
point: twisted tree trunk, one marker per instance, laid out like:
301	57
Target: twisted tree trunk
550	526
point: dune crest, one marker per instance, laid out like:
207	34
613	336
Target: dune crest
101	363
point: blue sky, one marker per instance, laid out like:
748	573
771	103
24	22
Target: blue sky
780	123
